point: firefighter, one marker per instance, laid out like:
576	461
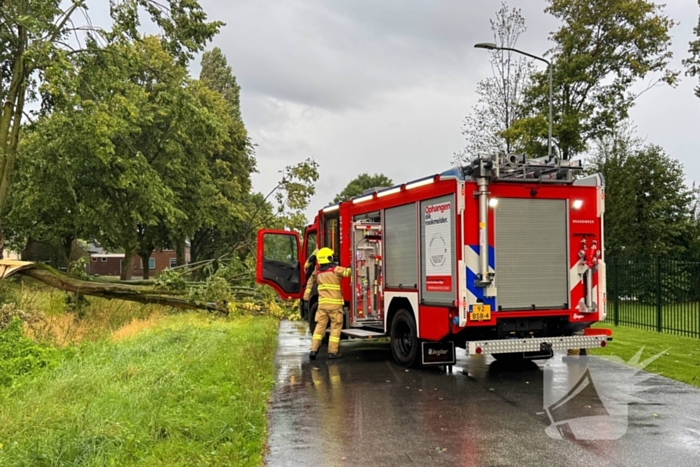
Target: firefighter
330	302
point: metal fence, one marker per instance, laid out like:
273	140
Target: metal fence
658	294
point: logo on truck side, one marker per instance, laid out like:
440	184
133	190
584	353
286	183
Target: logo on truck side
441	208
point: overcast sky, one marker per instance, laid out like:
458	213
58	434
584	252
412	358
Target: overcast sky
383	86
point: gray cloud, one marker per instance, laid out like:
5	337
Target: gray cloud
383	86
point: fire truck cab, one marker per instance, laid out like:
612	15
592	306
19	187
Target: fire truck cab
503	257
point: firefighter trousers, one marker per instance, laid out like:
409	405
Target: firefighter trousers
322	318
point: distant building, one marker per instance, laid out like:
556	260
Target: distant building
104	263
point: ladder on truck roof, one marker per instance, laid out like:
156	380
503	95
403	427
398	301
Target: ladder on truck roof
518	168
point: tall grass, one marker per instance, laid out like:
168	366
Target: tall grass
188	389
58	318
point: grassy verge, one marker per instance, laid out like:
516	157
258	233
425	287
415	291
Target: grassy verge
186	390
681	362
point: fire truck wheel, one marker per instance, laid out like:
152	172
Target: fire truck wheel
404	339
312	321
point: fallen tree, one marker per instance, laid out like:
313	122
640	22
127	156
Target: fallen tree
149	294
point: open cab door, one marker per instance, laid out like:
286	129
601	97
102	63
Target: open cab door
278	263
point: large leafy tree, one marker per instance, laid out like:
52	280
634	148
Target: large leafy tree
649	208
361	183
223	211
131	132
35	46
500	96
600	51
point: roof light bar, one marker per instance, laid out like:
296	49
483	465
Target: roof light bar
331	208
423	182
362	199
388	192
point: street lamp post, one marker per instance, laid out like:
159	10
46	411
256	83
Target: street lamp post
492	46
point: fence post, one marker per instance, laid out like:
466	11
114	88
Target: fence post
659	326
616	298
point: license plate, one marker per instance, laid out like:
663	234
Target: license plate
480	313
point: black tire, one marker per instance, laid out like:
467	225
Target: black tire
312	321
404	339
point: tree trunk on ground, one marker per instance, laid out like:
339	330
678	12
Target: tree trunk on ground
133	293
145	258
138	292
127	265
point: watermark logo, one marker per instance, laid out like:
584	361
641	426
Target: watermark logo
587	398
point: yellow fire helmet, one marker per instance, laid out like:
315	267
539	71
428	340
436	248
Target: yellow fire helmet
324	256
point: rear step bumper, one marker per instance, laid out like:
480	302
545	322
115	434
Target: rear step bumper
538	344
362	333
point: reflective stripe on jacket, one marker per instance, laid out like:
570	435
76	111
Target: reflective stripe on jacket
328	280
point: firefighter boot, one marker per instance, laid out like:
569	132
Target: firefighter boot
335	356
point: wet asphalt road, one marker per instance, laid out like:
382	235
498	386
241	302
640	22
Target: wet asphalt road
366	411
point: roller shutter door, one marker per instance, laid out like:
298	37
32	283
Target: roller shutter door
531	254
400	246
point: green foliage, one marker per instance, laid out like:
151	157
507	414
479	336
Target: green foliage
190	391
361	183
78	269
34	52
21	356
131	136
649	209
219	213
171	279
601	50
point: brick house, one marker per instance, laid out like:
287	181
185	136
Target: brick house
159	260
104	263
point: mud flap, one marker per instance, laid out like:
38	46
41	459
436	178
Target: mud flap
438	353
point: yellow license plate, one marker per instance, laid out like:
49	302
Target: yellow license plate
480	313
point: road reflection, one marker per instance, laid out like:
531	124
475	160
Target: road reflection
365	410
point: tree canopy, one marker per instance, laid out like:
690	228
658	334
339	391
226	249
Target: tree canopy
649	208
35	51
361	183
601	49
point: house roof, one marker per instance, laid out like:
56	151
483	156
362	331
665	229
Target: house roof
107	255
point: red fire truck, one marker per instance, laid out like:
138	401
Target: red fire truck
503	256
